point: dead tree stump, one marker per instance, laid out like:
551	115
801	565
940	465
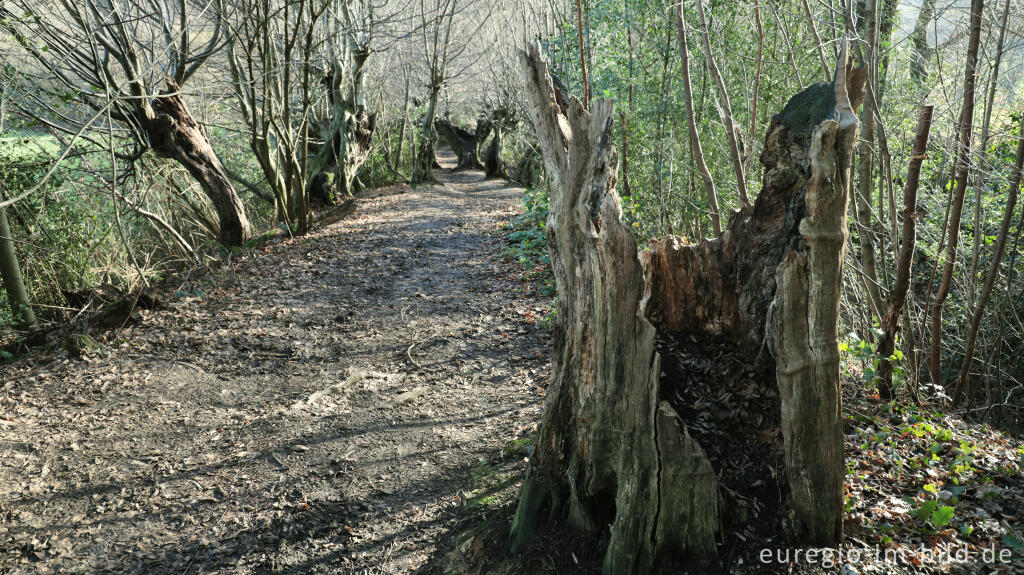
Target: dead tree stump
621	450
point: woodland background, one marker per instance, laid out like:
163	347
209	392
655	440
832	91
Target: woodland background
287	91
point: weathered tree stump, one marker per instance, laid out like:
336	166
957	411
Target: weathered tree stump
619	452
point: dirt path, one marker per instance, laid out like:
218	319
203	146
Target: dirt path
316	408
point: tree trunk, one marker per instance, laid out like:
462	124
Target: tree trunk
980	178
494	164
10	272
898	295
963	384
865	181
698	151
919	37
619	453
962	170
405	121
464	143
356	139
732	131
423	165
174	133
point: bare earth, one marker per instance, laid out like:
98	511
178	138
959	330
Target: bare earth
316	407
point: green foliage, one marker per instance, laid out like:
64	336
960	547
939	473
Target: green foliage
55	229
527	238
866	354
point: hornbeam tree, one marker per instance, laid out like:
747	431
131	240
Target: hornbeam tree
112	57
620	450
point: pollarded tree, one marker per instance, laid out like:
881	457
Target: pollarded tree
446	30
112	56
621	451
274	78
437	17
348	126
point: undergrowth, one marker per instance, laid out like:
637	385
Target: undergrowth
527	244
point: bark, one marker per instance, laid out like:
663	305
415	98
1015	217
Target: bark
10	273
614	455
898	294
962	170
174	133
691	122
919	38
349	133
463	142
357	139
863	210
963	384
980	180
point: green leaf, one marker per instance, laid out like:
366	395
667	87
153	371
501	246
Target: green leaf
926	508
942	516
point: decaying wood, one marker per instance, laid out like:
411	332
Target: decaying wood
605	374
612	452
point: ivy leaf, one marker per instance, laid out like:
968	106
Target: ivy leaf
942	516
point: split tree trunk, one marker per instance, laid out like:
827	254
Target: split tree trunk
175	134
614	454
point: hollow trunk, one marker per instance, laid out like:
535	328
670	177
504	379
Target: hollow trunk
622	450
175	134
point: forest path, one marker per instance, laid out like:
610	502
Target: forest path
316	407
